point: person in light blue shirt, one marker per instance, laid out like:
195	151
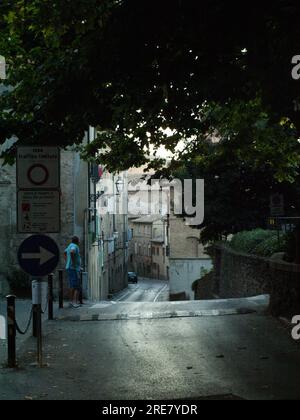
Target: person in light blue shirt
73	267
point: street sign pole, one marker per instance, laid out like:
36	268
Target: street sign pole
11	331
38	213
37	317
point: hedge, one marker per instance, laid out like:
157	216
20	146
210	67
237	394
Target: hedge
263	243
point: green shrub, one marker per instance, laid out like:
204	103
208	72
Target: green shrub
19	283
247	241
265	243
271	246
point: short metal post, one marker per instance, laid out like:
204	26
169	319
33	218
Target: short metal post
37	312
39	336
61	289
11	331
34	321
35	298
50	297
80	289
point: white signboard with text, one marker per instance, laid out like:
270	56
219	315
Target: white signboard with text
38	189
38	167
38	211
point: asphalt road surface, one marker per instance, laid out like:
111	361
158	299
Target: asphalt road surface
164	352
245	356
146	290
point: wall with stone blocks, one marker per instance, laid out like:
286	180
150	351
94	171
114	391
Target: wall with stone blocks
243	275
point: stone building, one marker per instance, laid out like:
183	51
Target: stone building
103	236
188	260
108	238
149	247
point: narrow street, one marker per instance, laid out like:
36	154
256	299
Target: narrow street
146	290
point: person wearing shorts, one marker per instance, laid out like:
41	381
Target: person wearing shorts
73	267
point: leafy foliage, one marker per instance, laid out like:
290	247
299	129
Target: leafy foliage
271	246
135	68
251	241
243	158
265	243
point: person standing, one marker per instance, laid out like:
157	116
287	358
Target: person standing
73	267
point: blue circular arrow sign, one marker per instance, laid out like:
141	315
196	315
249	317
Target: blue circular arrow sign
38	255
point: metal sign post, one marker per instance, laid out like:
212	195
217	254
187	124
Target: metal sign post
38	256
38	212
11	331
37	318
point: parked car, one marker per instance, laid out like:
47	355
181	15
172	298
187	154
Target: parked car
132	278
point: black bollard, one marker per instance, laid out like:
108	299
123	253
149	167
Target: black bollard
61	289
11	331
50	297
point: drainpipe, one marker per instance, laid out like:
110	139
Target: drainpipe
85	234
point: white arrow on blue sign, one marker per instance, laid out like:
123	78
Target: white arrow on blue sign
38	255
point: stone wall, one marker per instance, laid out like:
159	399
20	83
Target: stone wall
243	275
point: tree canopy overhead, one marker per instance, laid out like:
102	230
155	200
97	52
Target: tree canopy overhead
136	67
251	160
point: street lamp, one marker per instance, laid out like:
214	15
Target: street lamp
119	185
95	197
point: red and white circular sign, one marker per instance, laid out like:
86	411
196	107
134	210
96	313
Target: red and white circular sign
38	174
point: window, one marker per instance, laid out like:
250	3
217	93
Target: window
193	244
153	250
157	251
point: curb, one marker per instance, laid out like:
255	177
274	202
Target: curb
157	315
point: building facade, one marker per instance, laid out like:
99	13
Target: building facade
188	260
149	247
104	236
